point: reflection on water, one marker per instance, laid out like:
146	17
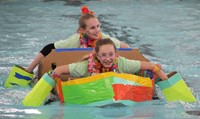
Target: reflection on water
74	112
166	32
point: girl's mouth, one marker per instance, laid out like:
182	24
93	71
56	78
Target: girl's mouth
108	64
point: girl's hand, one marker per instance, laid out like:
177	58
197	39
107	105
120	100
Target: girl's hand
53	74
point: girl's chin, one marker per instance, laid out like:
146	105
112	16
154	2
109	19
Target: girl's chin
107	66
95	37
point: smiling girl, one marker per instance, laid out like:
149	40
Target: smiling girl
105	59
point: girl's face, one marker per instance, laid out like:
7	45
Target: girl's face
106	55
92	28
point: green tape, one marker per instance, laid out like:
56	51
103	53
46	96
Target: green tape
172	80
175	89
39	92
89	92
49	80
18	76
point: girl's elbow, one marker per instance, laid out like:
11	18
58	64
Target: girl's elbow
124	45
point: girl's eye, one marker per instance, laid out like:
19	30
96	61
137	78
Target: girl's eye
92	27
103	55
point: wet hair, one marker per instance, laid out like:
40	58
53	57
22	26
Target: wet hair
102	42
83	18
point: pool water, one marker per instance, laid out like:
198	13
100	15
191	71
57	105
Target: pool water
166	32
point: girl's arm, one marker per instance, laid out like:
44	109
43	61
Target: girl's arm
64	69
44	52
124	45
155	68
35	62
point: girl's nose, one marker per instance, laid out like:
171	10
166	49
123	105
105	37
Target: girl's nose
97	29
107	57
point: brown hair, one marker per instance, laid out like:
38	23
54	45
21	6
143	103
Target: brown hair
98	44
83	18
102	42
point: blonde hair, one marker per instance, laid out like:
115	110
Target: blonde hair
83	18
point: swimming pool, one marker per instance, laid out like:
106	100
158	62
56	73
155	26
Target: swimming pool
166	32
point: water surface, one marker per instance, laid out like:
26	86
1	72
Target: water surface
165	31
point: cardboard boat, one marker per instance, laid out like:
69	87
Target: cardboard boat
102	89
66	56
